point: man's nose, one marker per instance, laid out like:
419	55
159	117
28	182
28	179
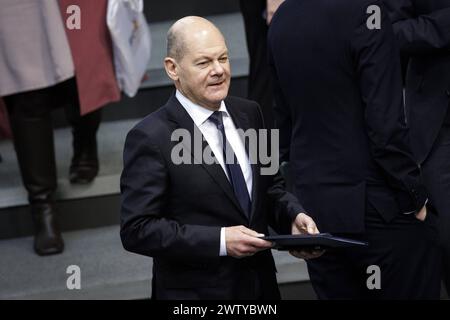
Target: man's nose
217	68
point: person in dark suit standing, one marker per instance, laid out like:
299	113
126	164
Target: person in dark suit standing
257	15
196	218
422	29
342	127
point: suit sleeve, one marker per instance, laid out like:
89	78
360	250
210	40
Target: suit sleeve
419	34
378	69
282	113
145	228
284	205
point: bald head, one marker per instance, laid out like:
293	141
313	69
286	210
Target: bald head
197	61
178	43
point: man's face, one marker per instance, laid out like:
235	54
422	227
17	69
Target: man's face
204	70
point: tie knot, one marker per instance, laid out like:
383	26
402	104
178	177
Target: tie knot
217	119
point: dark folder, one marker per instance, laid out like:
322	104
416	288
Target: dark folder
312	241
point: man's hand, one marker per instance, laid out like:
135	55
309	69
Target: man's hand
243	242
422	214
272	7
303	224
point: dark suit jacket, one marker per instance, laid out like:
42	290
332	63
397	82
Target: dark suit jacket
340	113
174	213
422	29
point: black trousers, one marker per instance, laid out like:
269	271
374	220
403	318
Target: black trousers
405	250
243	282
31	124
38	104
436	175
259	79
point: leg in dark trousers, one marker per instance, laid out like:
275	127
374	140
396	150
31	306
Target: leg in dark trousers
405	250
436	175
84	165
31	125
259	79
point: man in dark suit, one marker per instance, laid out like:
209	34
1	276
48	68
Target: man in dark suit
195	219
342	127
257	15
422	29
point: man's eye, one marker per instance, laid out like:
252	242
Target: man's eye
202	63
223	59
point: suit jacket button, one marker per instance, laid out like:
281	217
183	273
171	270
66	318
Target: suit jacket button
447	92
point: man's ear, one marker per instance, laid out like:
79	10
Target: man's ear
171	68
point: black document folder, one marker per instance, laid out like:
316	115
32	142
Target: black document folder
312	241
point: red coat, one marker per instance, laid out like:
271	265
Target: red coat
92	55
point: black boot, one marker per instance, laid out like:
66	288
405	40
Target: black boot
33	141
48	239
84	166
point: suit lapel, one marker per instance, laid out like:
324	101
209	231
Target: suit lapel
181	118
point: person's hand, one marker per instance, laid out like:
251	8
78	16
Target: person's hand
272	7
243	242
303	224
422	214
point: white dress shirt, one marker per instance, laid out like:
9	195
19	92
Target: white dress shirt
209	130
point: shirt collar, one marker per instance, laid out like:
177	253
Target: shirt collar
198	113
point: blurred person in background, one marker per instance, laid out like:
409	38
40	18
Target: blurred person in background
422	30
257	15
342	128
39	57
